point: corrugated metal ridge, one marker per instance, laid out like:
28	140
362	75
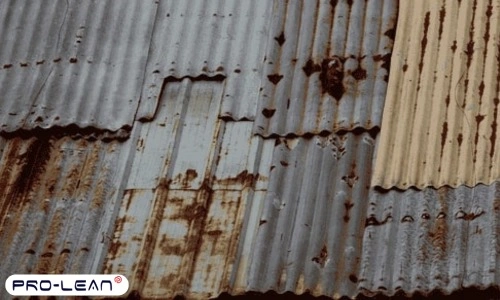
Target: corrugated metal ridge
326	67
72	62
441	116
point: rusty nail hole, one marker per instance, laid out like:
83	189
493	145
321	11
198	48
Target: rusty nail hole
73	60
441	215
426	216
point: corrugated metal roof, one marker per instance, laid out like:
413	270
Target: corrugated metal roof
72	62
180	220
310	229
204	206
58	203
440	120
326	67
209	38
422	241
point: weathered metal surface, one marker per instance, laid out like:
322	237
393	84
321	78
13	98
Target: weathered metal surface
178	229
431	240
326	67
58	199
310	229
221	39
72	63
440	120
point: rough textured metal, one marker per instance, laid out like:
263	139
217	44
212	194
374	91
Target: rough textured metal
326	66
72	63
180	220
310	229
441	116
199	38
431	240
58	202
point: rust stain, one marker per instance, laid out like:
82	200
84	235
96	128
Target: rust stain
280	39
442	15
243	179
493	136
423	42
332	76
352	178
386	63
444	133
310	67
275	78
460	139
359	73
32	165
348	205
268	112
454	46
322	257
169	247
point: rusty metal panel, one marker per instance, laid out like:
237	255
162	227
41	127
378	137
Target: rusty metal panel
326	67
310	227
78	63
58	203
440	120
215	39
431	240
179	224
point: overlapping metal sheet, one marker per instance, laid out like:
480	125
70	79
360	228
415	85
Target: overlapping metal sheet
72	63
440	120
58	204
310	229
203	205
326	67
209	39
431	240
178	229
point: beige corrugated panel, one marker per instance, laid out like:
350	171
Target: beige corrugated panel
440	118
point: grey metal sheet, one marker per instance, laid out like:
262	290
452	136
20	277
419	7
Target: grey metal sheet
72	62
326	66
423	241
310	229
199	38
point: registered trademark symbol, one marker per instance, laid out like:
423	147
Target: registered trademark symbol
118	279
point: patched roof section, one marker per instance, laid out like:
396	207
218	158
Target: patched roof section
208	39
441	116
326	67
75	63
